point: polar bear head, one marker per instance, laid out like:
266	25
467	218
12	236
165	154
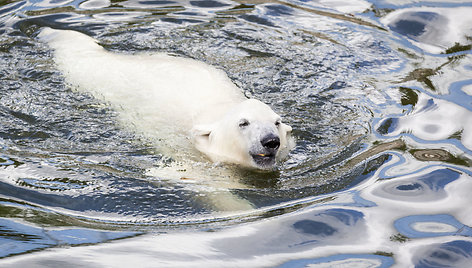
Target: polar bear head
251	134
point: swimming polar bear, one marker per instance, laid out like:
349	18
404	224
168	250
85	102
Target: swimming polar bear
180	102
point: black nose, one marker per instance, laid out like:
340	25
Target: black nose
271	142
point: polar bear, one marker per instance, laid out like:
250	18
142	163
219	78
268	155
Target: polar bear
183	104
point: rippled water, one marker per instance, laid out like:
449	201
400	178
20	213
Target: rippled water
379	95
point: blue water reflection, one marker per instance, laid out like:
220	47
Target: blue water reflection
343	260
424	188
413	24
456	253
327	224
19	238
420	226
435	120
298	233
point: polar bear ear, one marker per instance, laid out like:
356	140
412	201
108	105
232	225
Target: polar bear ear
286	128
289	141
201	134
201	130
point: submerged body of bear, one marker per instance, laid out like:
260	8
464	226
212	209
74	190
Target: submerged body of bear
182	103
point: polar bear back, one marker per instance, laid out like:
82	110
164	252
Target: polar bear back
179	91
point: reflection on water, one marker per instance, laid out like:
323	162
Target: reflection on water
457	253
435	30
434	119
344	260
20	238
431	225
378	94
425	188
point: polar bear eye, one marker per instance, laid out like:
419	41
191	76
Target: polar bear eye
243	123
277	123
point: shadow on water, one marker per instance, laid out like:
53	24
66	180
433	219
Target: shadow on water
378	95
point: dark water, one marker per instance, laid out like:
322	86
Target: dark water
379	95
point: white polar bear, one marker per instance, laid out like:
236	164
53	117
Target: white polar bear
175	100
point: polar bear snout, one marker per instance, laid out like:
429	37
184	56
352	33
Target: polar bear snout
264	154
271	142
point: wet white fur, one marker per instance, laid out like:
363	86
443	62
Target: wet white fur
180	103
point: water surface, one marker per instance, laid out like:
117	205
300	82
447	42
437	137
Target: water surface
379	95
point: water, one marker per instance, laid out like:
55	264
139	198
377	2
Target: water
379	95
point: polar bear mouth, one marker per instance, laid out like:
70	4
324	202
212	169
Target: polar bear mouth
264	160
